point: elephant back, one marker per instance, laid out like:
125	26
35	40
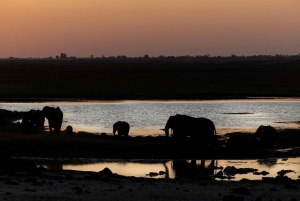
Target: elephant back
205	130
55	114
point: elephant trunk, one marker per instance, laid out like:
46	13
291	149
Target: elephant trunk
167	131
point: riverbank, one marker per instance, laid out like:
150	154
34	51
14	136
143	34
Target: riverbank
103	146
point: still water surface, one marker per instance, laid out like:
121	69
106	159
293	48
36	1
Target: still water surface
148	117
176	169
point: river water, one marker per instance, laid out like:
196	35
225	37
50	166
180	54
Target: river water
148	117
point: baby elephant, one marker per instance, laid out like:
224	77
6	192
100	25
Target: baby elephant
122	127
267	135
69	130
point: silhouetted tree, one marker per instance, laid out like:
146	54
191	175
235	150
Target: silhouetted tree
63	56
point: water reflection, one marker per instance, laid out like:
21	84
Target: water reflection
148	117
54	166
193	169
200	169
267	162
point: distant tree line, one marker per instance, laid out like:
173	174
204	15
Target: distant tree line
186	58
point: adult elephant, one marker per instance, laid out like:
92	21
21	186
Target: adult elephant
199	129
33	122
26	124
267	135
55	118
122	127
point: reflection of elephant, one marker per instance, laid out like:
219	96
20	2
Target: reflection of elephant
267	135
267	162
55	166
122	127
33	122
201	129
192	169
55	118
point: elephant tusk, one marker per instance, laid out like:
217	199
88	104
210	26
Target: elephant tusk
162	129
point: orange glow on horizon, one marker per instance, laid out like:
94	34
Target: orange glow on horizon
34	28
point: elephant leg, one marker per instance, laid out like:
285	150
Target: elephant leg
50	128
57	130
121	133
41	130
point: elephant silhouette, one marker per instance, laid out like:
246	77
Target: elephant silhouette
199	129
33	122
266	135
55	119
69	130
122	127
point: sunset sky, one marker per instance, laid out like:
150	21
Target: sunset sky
43	28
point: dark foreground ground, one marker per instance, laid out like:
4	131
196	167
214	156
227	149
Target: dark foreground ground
22	180
48	185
